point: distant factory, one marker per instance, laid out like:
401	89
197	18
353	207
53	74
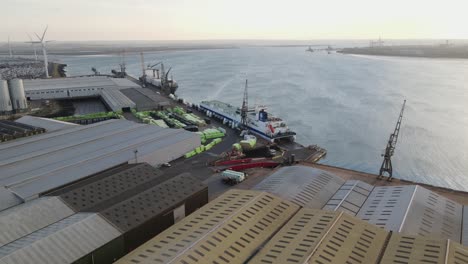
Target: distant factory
12	96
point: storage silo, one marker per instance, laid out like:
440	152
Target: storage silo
17	95
5	101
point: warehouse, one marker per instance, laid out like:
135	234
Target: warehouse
38	164
150	212
350	197
48	124
107	88
10	130
136	198
317	236
409	209
228	229
413	210
252	227
306	186
29	217
82	237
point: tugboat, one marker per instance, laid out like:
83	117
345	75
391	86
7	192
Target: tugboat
309	49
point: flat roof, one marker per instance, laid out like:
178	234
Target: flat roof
34	165
48	124
77	83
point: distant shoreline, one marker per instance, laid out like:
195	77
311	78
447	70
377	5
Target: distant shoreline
416	51
115	50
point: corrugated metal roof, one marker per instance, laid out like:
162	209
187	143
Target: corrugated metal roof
228	229
414	249
62	242
116	100
457	254
77	83
413	210
306	186
316	236
8	199
296	241
434	215
387	206
350	197
26	218
107	188
161	198
32	167
464	239
350	240
49	125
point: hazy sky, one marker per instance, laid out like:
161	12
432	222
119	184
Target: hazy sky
234	19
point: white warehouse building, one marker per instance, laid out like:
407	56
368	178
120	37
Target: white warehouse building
107	88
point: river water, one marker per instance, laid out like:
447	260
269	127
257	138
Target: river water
347	104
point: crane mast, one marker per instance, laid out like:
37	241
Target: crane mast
245	106
390	149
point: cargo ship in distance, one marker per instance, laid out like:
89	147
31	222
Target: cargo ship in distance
259	121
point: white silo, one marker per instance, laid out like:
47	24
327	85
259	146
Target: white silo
5	102
17	95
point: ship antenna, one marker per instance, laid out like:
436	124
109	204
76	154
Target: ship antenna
245	106
390	149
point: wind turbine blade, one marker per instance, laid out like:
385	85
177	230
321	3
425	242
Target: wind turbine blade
39	38
43	35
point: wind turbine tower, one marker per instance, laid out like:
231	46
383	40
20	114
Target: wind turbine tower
9	47
34	46
43	43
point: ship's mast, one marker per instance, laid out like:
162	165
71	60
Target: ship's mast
245	106
390	149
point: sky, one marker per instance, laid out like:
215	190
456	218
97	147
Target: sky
82	20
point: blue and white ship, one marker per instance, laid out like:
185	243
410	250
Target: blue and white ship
259	121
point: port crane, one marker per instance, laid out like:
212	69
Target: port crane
390	149
245	106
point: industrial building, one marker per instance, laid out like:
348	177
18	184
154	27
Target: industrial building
12	97
308	187
229	229
107	88
41	163
48	124
10	130
409	209
98	219
243	226
80	238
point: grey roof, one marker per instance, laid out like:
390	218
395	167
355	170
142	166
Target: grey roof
77	82
49	125
431	214
26	218
116	100
38	164
306	186
109	187
62	242
413	210
350	197
8	199
159	199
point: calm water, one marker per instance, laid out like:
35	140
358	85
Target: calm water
346	104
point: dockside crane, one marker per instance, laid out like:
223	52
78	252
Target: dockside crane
245	106
390	149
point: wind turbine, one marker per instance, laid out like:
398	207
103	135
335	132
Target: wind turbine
44	51
34	46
